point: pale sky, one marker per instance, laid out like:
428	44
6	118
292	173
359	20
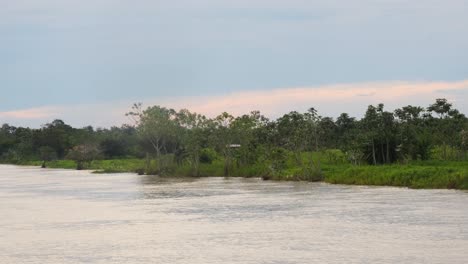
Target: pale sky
87	61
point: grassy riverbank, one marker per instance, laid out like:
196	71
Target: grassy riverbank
99	166
427	174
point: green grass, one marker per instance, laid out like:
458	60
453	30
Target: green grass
419	174
56	164
432	175
118	165
100	166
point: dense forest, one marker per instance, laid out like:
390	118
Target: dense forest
165	139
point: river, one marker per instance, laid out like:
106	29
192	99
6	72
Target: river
63	216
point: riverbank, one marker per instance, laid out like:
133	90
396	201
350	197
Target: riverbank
417	175
423	175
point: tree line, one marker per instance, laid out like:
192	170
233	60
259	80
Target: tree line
184	138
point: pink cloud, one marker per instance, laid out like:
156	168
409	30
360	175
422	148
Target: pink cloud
339	95
330	100
33	113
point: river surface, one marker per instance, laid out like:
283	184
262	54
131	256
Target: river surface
63	216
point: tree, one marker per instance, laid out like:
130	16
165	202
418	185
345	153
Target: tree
7	138
55	135
464	142
243	130
191	133
83	155
379	131
112	147
47	153
294	134
350	138
223	138
413	134
327	133
441	107
170	138
155	125
387	132
446	126
312	120
370	126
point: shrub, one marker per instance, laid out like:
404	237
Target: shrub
208	155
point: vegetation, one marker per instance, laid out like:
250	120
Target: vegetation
412	146
419	175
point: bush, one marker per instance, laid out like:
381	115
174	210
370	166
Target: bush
446	153
164	165
83	155
335	156
208	155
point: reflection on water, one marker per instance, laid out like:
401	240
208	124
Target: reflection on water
61	216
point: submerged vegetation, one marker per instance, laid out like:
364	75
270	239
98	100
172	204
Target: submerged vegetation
412	146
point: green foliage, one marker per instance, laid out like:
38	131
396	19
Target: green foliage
55	164
444	152
419	174
422	175
278	158
208	155
83	155
12	156
112	147
47	153
296	146
335	156
163	165
55	135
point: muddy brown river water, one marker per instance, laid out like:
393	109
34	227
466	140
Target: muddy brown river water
63	216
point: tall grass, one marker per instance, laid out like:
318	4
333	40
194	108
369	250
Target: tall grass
331	168
413	176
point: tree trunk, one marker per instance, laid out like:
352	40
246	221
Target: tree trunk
197	165
147	163
316	141
227	162
226	167
388	152
382	153
373	153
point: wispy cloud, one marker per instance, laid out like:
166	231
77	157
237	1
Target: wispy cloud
100	115
329	99
28	114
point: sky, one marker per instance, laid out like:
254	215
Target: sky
88	61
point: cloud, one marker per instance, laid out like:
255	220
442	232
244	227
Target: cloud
100	115
330	100
453	91
33	113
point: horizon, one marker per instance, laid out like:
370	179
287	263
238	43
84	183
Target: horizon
212	116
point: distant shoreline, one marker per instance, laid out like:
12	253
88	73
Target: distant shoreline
417	175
